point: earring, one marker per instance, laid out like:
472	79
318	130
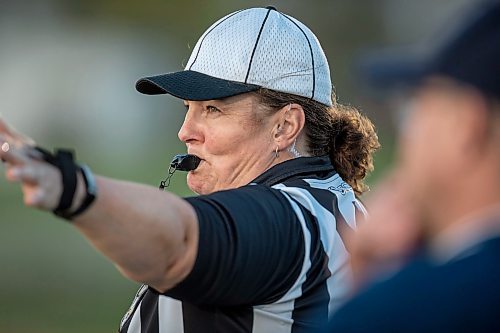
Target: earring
276	152
293	150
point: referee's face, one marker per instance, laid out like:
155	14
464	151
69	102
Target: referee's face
233	145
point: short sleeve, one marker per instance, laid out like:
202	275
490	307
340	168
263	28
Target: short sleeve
251	248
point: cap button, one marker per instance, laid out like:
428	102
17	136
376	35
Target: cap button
271	7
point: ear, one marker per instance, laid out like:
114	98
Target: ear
290	122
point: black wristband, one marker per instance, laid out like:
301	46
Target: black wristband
64	161
90	189
68	168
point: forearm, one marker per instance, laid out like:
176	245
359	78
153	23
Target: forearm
151	236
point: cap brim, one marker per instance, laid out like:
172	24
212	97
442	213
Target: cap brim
191	85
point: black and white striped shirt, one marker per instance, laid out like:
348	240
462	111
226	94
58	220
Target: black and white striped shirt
270	259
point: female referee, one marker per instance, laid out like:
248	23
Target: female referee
282	163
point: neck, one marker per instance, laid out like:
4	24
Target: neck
472	194
466	232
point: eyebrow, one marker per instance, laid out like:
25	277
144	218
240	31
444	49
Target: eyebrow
221	102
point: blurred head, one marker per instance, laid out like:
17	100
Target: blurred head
450	145
258	92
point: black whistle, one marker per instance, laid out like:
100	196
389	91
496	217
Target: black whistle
185	162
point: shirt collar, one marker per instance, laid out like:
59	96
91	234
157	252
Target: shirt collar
464	235
292	168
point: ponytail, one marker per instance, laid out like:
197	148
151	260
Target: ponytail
353	141
341	132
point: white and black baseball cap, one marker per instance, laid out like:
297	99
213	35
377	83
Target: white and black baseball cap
247	50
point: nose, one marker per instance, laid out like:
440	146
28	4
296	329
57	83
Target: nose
190	129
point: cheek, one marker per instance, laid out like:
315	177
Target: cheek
421	151
224	150
224	138
428	151
229	145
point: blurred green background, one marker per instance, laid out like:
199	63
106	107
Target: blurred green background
67	74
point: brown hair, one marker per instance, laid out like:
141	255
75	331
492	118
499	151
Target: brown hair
341	132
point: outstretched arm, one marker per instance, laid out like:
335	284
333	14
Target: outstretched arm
151	236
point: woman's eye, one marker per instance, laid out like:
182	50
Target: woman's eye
212	109
186	106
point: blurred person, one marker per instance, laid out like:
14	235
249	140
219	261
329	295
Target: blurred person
261	249
445	236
